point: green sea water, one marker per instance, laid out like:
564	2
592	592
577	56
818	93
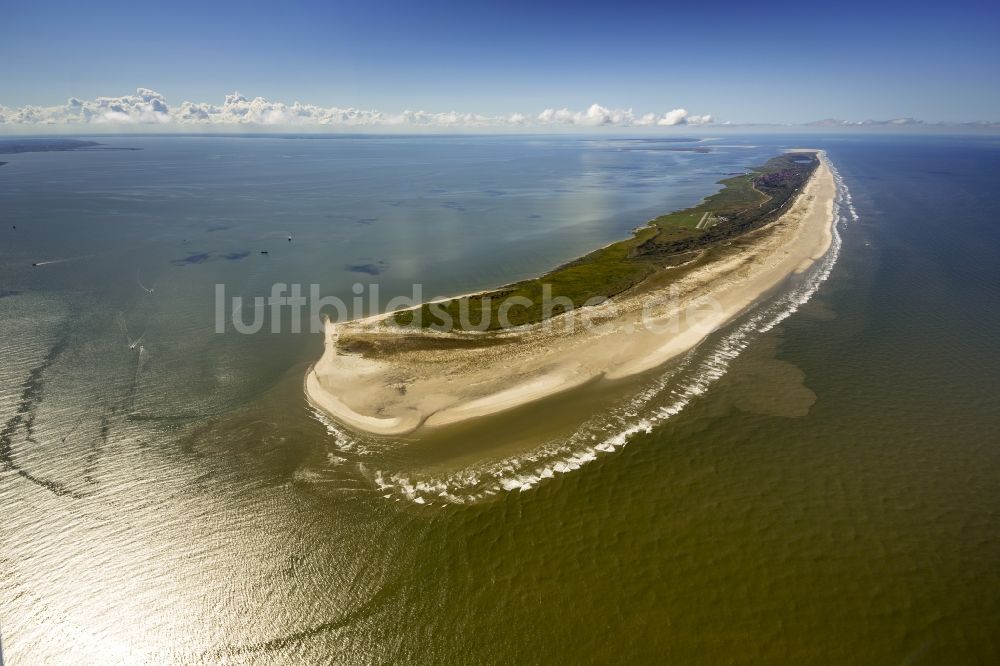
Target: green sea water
815	486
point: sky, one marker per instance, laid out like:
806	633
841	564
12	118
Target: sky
584	64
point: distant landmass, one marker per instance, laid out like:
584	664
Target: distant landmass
901	122
13	146
836	122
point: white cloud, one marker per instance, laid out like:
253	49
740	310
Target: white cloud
598	115
594	116
675	117
148	107
145	106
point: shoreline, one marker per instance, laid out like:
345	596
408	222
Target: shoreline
407	389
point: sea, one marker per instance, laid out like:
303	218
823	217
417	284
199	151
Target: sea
817	483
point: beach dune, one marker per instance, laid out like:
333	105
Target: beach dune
405	387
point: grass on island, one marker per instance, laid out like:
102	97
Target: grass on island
745	202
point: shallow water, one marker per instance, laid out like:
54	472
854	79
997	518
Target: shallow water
829	496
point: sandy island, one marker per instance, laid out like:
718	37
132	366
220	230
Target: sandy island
408	386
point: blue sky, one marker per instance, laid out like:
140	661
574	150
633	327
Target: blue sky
742	62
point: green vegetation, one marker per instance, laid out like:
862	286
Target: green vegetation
745	202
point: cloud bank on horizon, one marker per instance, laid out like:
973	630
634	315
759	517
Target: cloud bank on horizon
148	107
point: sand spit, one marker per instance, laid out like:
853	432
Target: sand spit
402	380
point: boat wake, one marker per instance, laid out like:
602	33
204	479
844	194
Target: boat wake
606	432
